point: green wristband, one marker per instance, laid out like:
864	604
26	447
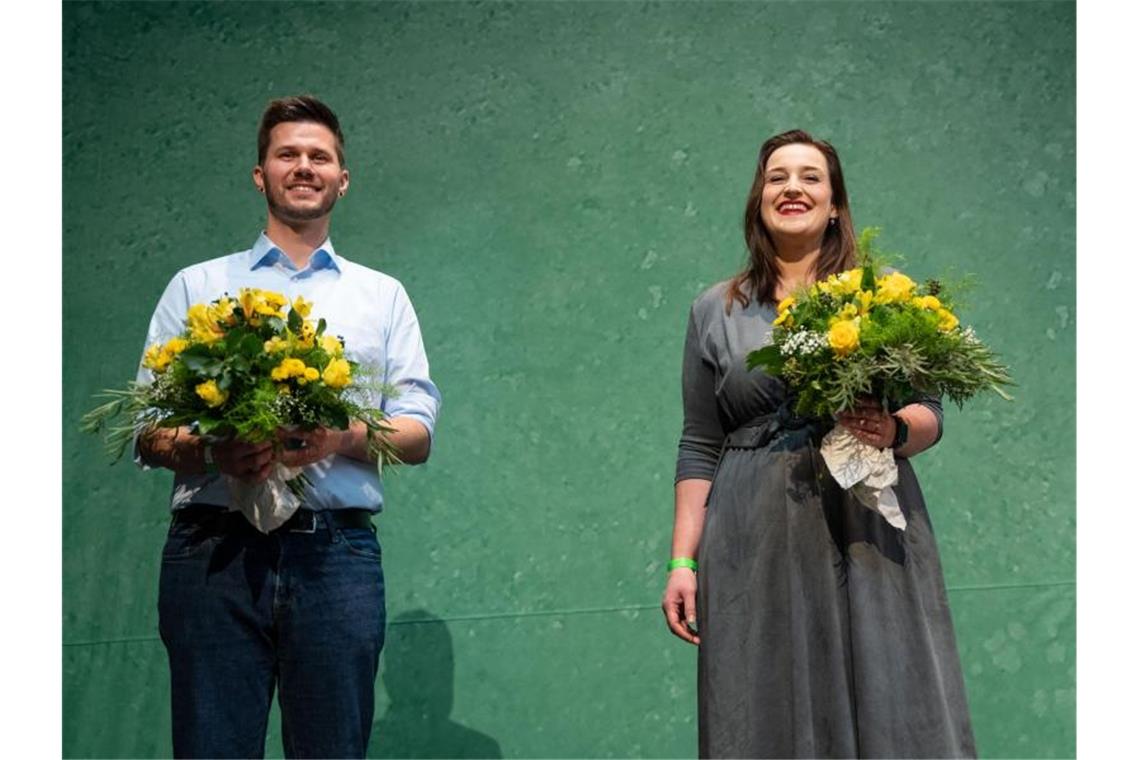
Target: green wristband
676	562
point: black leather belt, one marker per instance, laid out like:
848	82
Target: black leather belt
303	520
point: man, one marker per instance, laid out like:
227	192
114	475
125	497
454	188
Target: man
299	609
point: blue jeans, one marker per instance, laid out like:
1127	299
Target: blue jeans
242	613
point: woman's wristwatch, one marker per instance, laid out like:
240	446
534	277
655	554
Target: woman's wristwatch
901	432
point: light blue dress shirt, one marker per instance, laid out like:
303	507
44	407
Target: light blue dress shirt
368	309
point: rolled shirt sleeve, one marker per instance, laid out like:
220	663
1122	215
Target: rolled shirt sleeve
406	368
167	322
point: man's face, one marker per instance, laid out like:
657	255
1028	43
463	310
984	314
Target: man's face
301	175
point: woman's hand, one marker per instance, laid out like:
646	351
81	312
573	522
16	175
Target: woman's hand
680	604
870	423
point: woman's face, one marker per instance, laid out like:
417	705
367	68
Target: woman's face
796	198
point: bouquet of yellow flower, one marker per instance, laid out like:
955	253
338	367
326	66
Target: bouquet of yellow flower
245	368
859	333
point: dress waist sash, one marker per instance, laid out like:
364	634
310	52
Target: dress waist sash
760	431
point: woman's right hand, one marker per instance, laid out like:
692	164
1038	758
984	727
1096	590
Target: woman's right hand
680	604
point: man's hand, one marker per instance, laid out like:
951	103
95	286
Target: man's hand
304	447
251	462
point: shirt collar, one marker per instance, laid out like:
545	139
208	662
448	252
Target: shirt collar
265	253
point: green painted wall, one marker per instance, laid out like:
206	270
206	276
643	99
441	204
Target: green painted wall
554	183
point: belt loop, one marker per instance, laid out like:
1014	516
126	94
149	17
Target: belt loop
326	517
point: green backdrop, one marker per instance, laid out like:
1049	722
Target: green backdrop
554	183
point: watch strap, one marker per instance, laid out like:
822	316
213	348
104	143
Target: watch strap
208	458
902	431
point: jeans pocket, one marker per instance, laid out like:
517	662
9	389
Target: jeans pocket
361	541
187	539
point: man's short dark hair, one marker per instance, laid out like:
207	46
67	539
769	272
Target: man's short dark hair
297	108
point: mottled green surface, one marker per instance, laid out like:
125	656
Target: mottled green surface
554	183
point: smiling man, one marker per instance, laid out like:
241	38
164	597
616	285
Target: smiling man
299	609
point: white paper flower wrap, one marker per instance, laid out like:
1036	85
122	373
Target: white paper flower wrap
866	471
266	505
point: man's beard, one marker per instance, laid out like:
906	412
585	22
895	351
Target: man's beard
285	212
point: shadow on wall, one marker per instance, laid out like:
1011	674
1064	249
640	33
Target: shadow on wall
419	676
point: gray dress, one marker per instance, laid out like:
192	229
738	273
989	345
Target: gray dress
824	631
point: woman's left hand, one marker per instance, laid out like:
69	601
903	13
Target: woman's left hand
870	423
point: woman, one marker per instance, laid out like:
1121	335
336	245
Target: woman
823	631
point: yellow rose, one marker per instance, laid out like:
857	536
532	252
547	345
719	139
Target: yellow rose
332	345
276	344
156	358
338	374
288	368
927	302
175	346
309	375
895	287
301	306
847	283
211	394
946	320
843	336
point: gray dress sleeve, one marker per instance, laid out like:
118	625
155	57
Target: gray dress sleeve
702	433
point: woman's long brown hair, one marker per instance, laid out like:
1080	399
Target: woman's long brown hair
759	279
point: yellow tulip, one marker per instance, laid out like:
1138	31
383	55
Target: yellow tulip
308	332
250	299
203	327
337	374
301	306
222	311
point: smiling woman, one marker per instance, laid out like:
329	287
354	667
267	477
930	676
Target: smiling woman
824	631
796	198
